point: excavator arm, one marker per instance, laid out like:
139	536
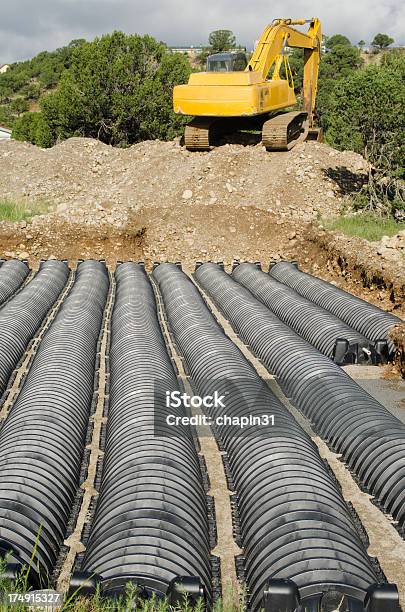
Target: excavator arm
251	100
270	47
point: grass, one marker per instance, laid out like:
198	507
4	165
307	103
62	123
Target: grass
129	600
370	227
14	211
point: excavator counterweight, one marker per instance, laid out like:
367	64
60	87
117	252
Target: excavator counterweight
223	102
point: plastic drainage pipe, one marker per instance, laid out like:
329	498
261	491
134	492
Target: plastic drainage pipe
318	326
366	318
293	520
42	439
22	316
151	524
12	274
369	437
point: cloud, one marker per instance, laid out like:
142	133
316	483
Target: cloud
27	27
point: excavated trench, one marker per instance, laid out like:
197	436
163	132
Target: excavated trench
93	476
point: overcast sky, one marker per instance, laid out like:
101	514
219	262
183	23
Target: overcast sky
30	26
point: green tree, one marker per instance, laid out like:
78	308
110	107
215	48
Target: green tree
367	114
337	39
218	41
382	41
361	43
221	40
19	106
32	127
340	61
118	89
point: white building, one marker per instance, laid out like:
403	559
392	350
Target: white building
4	68
4	133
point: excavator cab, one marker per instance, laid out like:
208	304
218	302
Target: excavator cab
227	62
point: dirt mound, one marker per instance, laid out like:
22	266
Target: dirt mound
157	201
233	201
86	179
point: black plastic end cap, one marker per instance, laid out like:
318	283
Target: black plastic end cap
382	598
340	351
14	565
83	584
382	350
280	595
185	586
11	571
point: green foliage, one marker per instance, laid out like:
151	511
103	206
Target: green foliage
6	117
118	89
395	60
29	79
296	61
19	106
339	62
337	39
32	127
218	41
221	40
382	41
361	43
366	113
365	226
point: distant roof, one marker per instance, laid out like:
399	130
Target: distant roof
226	54
4	129
2	65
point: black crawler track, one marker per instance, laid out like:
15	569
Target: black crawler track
294	523
370	439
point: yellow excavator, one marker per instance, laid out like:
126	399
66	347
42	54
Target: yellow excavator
223	102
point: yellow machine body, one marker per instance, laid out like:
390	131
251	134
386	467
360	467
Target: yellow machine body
258	89
231	94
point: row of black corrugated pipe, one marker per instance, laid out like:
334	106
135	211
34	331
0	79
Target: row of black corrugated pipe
294	523
329	334
22	316
370	439
369	320
42	439
152	524
12	275
151	520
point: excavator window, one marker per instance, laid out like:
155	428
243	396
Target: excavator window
226	62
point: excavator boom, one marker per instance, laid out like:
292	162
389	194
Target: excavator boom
221	101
